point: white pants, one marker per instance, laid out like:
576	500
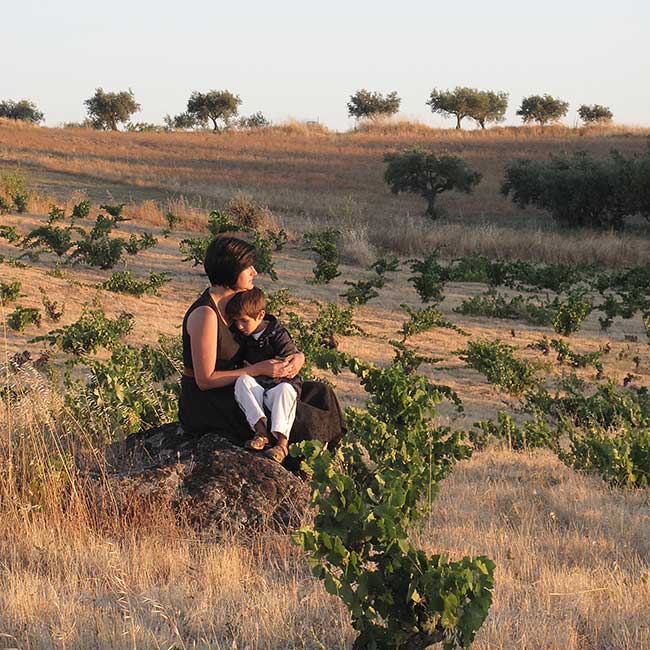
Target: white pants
281	400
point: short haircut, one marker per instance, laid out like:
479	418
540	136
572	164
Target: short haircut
226	258
246	303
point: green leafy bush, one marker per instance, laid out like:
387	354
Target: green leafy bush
172	221
81	210
137	243
621	457
360	292
9	291
535	433
386	264
52	238
495	305
422	320
55	214
495	360
21	317
124	282
277	301
126	391
264	247
92	330
571	314
9	233
325	244
430	277
368	494
580	191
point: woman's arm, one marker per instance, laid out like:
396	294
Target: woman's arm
202	328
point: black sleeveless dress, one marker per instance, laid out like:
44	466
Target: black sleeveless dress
318	414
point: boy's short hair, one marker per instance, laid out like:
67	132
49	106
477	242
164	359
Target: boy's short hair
246	303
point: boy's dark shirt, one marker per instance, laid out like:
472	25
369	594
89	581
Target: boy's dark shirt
274	342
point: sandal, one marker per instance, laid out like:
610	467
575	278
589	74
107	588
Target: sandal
257	443
277	453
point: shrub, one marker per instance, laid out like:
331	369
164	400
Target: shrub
580	191
495	360
534	434
622	458
276	301
495	305
9	291
248	214
360	292
92	330
368	494
254	121
137	243
81	210
53	310
422	320
55	214
422	172
21	317
264	255
9	233
124	282
325	244
125	390
172	221
5	206
430	277
571	314
387	264
53	238
100	251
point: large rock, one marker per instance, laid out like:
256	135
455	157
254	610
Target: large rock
209	480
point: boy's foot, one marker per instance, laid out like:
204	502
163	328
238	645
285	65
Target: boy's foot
257	443
278	452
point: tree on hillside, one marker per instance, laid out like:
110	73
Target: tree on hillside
365	103
480	105
422	172
595	114
542	109
23	110
214	105
490	107
107	110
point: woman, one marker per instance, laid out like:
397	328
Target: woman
207	403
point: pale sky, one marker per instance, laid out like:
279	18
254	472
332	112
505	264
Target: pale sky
304	59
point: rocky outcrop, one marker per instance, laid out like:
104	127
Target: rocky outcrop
213	483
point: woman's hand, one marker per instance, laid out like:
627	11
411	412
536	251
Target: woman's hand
295	362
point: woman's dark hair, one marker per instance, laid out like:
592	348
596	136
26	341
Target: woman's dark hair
226	258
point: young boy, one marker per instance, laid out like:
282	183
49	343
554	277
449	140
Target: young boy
262	337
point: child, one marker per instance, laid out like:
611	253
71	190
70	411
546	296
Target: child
262	337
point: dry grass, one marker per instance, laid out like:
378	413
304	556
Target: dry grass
308	174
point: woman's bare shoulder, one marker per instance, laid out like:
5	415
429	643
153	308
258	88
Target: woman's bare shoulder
200	318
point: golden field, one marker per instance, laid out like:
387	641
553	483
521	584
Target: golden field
311	176
572	555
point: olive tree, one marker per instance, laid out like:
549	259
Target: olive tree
595	114
542	109
107	110
214	105
23	110
365	103
423	172
480	105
